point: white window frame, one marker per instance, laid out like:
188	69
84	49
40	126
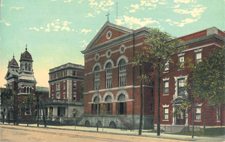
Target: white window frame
74	84
122	73
64	84
198	51
198	106
57	95
58	86
180	56
176	78
164	113
166	65
75	96
108	75
26	108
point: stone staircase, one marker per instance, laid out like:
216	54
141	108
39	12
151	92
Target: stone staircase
175	128
127	123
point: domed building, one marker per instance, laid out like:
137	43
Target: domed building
22	81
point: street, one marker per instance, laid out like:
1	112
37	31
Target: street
31	134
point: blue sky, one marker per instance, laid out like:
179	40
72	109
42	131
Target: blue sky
55	31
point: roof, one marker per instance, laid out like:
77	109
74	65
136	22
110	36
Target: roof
26	55
41	89
13	63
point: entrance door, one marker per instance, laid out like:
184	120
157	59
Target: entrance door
180	118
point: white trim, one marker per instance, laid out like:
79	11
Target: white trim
107	34
165	105
180	54
96	57
108	94
176	87
96	64
166	79
122	92
118	50
198	50
121	50
109	50
108	60
121	57
202	46
96	95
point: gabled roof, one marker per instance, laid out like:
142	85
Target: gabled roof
104	28
119	34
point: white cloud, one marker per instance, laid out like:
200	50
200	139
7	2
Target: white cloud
109	3
183	22
52	24
162	3
67	1
143	2
176	6
132	11
154	1
135	21
149	4
136	6
85	31
57	27
65	28
5	22
34	28
100	6
57	20
119	21
80	1
195	12
42	28
52	0
56	30
182	1
89	15
16	8
84	42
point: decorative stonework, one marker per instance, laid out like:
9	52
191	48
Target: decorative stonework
108	34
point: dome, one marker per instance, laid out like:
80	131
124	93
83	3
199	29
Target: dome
13	62
25	55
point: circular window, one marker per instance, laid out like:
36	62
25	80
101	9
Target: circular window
96	57
108	34
122	48
108	53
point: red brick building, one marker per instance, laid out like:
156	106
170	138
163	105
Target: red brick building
112	82
65	91
200	45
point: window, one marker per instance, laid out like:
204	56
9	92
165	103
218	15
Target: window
58	95
122	49
57	74
74	73
57	86
74	96
64	73
166	113
29	67
25	66
96	57
218	113
64	85
52	87
27	110
97	78
108	34
181	62
198	57
108	53
122	73
166	87
108	104
52	96
198	112
74	84
181	87
108	72
166	66
64	95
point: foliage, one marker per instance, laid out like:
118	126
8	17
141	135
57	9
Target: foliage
28	100
7	96
82	92
161	46
103	111
50	113
208	78
75	112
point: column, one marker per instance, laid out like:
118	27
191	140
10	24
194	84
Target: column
174	116
186	117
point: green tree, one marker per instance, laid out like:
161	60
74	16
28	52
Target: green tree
162	46
82	92
7	100
208	80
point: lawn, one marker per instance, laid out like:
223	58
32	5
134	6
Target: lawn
208	132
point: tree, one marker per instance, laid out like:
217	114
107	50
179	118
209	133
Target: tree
161	46
7	100
208	80
82	92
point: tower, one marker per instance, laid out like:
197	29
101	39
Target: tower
12	74
26	80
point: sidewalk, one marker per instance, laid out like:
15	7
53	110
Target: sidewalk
145	133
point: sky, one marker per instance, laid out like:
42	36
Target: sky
55	31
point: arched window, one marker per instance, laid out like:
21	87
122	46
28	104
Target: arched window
108	73
122	73
97	78
108	104
121	106
28	90
29	67
25	66
96	105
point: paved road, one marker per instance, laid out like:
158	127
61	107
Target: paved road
11	133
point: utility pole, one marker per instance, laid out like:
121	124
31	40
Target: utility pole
98	101
38	109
